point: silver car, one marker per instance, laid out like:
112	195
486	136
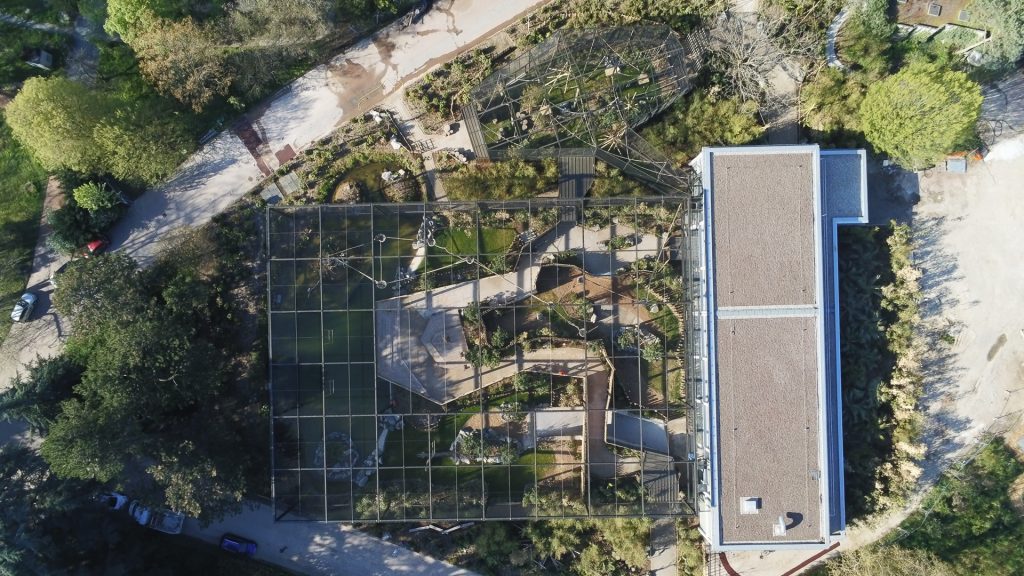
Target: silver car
23	309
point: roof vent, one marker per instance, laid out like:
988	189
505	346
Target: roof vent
934	9
779	528
750	505
964	16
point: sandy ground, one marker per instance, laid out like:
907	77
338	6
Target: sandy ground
970	240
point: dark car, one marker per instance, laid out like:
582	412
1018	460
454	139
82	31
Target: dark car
421	10
237	545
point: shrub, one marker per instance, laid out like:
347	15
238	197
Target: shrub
921	113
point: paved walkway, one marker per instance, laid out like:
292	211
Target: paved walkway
26	23
307	110
663	547
44	334
321	548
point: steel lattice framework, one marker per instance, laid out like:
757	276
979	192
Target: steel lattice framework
584	92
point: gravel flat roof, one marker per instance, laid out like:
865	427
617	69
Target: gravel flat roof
763	228
766	249
768	409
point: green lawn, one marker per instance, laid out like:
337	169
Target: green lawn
22	186
968	519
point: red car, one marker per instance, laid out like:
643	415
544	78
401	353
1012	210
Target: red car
95	247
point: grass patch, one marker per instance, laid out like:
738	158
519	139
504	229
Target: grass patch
968	520
22	187
966	525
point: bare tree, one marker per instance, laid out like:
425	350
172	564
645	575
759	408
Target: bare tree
747	49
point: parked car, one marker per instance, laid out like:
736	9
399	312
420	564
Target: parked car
162	520
96	247
421	10
112	500
140	513
238	545
23	309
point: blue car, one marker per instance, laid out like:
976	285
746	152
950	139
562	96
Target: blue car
238	545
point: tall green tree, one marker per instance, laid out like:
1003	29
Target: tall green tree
95	196
36	396
67	125
921	113
143	142
184	59
145	412
54	118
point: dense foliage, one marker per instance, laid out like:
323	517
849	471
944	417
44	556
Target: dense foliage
887	562
702	119
504	180
1004	19
68	126
967	525
921	113
968	519
151	394
878	296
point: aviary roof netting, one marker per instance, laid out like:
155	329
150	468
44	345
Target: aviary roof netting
586	90
478	360
581	88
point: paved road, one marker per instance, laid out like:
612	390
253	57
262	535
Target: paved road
42	335
304	112
318	548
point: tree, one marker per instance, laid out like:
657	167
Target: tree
54	118
494	544
143	143
883	561
129	18
1004	19
152	376
98	293
35	397
48	525
831	102
184	60
69	126
95	196
867	38
921	113
700	120
71	227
